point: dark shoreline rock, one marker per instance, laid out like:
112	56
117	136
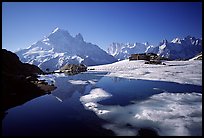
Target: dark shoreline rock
147	132
19	82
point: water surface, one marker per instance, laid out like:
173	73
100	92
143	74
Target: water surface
62	113
125	90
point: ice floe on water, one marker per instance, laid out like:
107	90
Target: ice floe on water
168	113
95	95
78	82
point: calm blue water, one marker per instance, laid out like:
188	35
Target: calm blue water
61	112
61	116
126	90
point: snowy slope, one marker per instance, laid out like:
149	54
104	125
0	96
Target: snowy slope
189	72
185	48
59	48
197	57
122	51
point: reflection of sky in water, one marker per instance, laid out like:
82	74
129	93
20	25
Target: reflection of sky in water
81	83
125	90
125	105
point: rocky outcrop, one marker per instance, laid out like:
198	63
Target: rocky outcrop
12	65
73	68
19	81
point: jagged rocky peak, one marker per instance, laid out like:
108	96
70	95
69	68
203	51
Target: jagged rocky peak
188	37
55	30
164	41
176	40
79	37
184	48
58	32
188	40
146	43
192	40
122	51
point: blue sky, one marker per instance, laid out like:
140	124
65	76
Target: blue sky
100	23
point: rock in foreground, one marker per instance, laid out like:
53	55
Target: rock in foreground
73	68
19	81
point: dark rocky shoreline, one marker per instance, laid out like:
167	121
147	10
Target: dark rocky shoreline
19	82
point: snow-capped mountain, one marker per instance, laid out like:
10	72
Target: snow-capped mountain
185	48
122	51
60	48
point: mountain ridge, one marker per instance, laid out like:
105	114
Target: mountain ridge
60	48
184	48
122	51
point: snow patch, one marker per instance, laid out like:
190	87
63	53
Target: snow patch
55	30
178	114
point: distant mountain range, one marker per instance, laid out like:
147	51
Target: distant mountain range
122	51
60	48
185	48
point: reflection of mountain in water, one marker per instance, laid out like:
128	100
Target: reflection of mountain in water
81	83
